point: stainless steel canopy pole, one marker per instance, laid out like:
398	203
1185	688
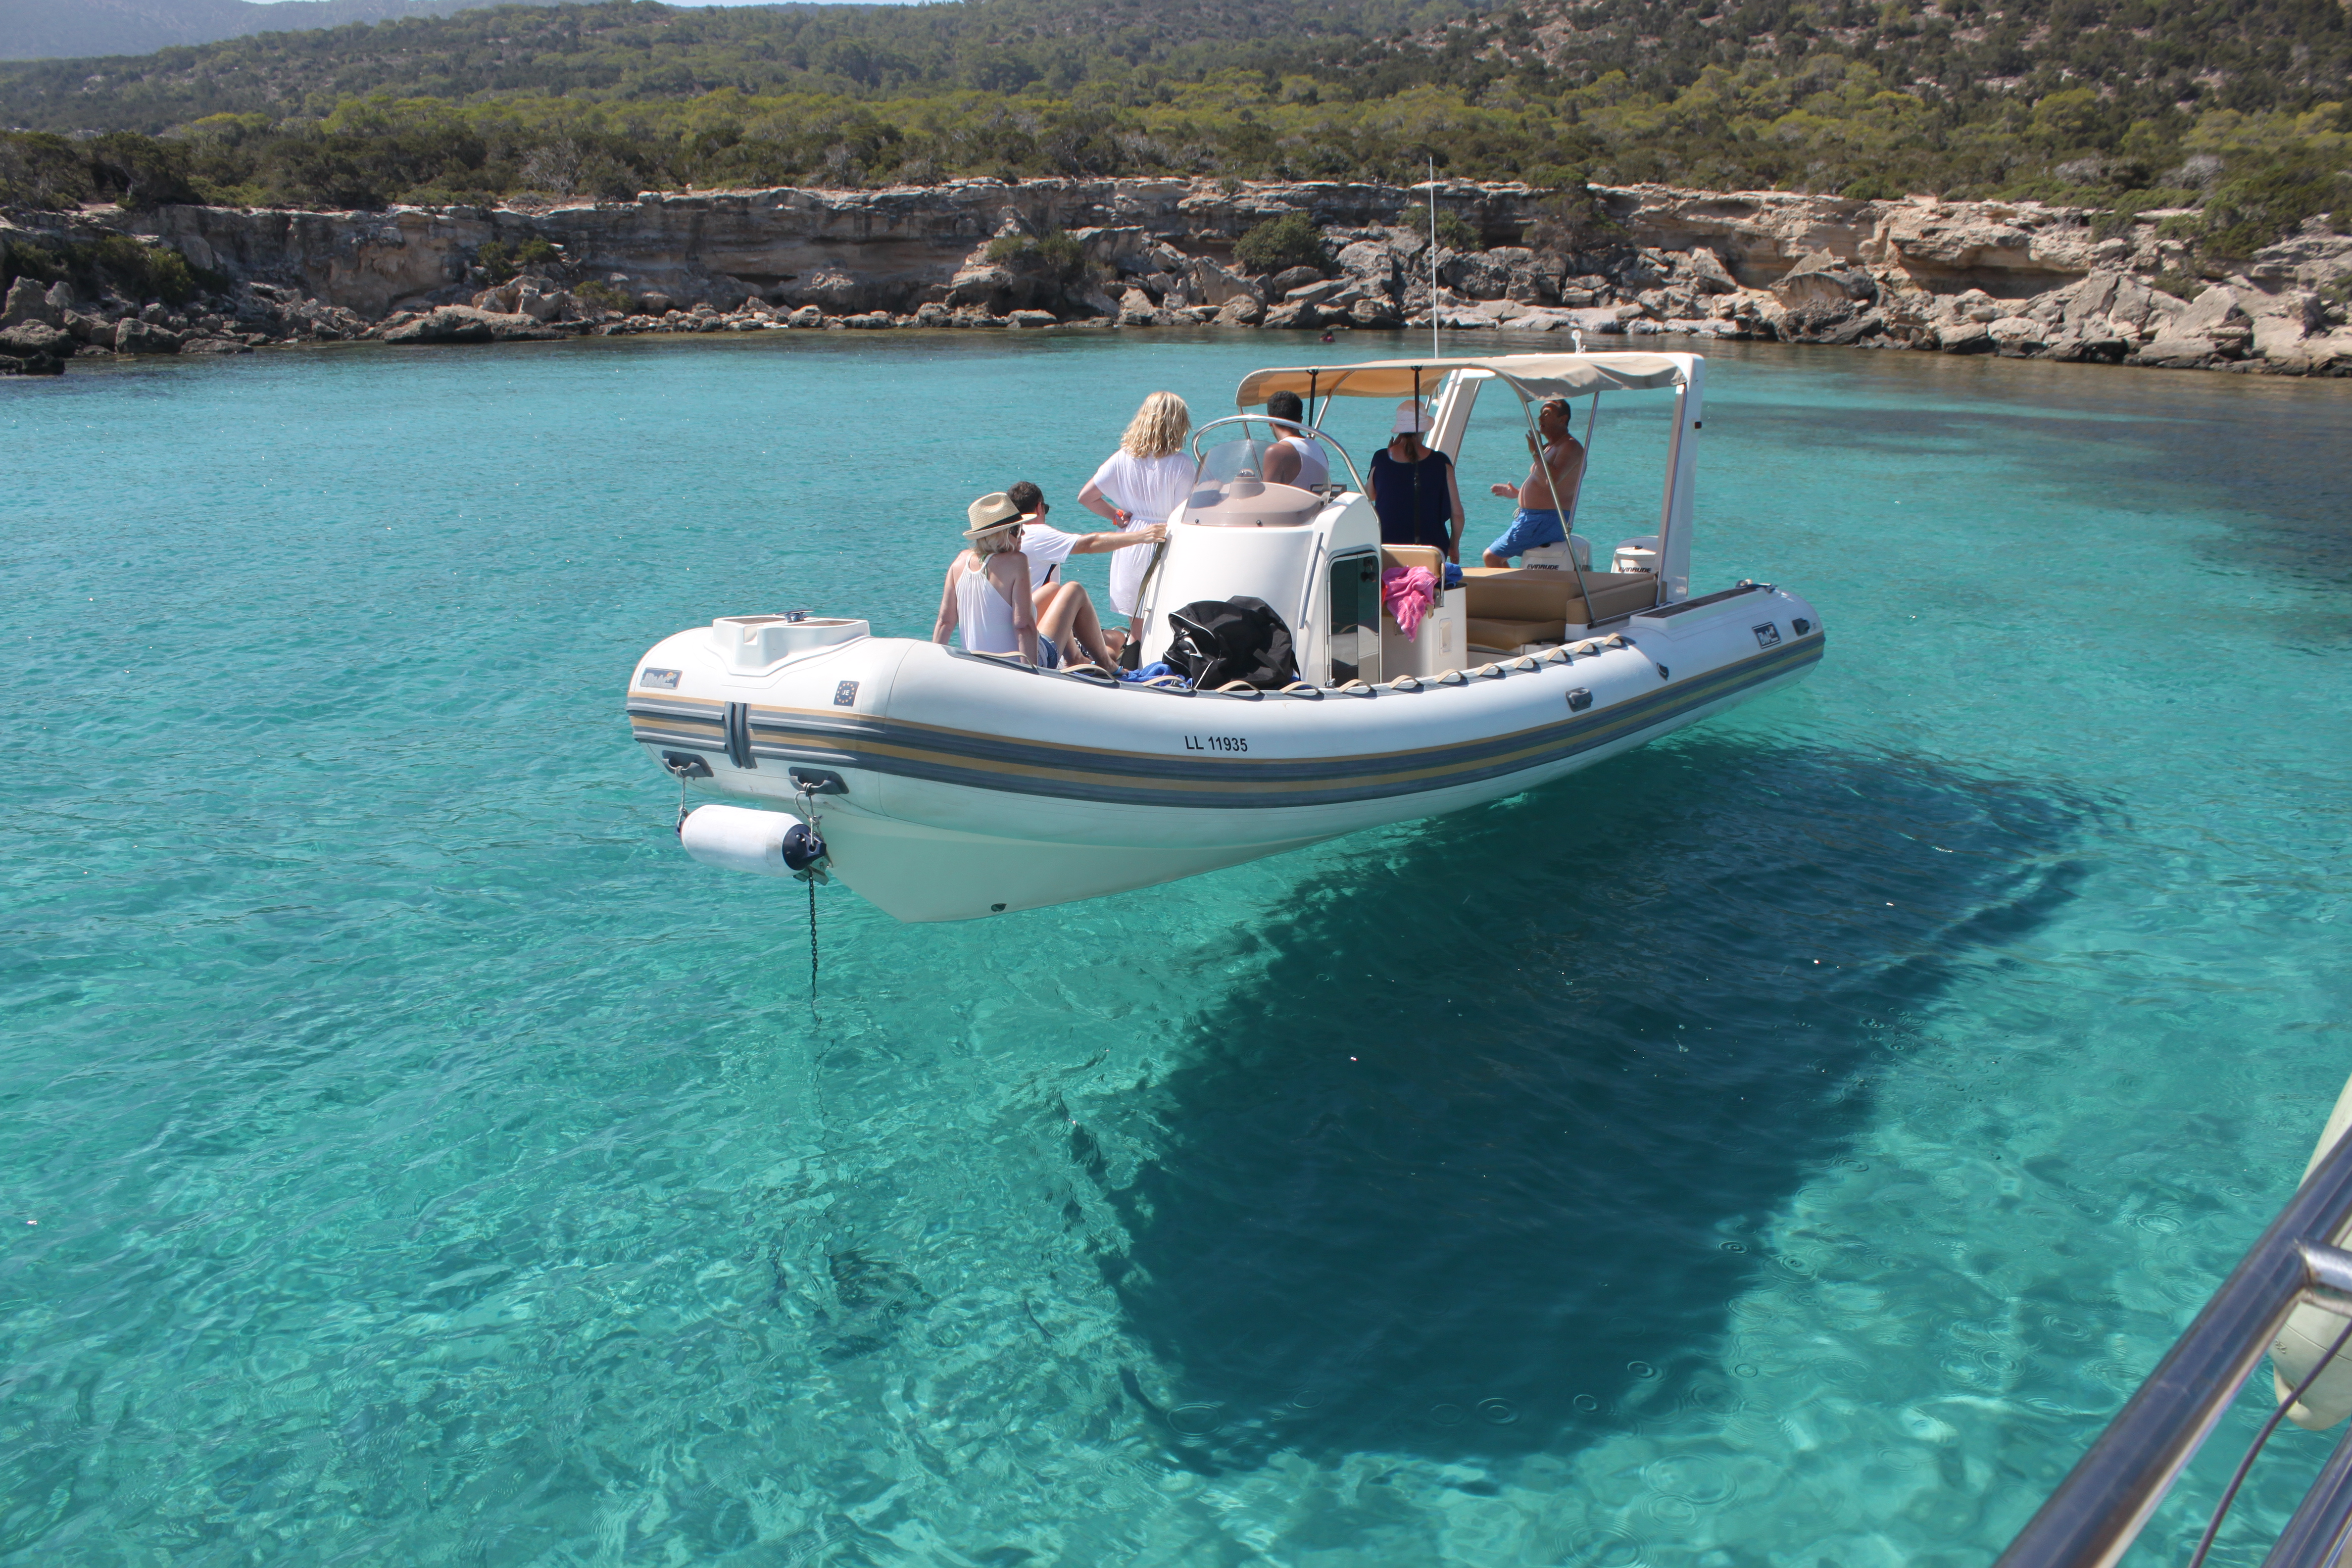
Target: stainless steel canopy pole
1535	441
1434	352
2104	1502
1568	518
2315	1536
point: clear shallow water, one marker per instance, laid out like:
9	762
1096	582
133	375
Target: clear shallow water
1783	1145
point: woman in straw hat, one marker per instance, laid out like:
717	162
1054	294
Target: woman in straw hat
987	592
1143	484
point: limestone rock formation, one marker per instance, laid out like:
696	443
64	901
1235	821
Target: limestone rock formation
28	301
30	337
1821	279
2015	279
133	336
467	324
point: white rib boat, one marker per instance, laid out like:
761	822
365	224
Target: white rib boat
950	786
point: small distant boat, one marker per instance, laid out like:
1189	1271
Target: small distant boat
942	784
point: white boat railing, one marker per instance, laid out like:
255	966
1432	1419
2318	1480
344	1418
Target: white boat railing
2099	1510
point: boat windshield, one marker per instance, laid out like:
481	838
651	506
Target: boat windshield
1240	446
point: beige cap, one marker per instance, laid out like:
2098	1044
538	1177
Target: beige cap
1411	420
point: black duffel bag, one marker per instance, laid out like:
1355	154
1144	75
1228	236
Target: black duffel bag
1216	641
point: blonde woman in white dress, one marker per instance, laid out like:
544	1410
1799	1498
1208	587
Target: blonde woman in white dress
1140	486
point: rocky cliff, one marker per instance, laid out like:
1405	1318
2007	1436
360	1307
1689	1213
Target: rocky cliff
2009	279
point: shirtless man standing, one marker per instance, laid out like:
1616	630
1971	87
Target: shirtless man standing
1557	470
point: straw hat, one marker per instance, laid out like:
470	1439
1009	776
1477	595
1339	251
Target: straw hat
990	512
1410	420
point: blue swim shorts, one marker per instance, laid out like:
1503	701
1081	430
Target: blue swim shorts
1527	530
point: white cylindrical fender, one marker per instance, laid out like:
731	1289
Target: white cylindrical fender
2310	1331
735	839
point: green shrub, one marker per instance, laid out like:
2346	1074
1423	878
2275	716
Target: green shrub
502	261
1573	221
1452	231
43	172
2247	212
604	297
141	171
1282	243
134	269
1052	255
39	170
2118	219
30	258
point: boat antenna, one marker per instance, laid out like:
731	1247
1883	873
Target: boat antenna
1434	352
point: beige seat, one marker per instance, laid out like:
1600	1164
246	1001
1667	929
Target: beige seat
1509	637
1441	642
1504	602
1428	557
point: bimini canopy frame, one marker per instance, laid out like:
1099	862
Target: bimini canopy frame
1532	378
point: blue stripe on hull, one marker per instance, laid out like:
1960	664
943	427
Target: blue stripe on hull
1075	773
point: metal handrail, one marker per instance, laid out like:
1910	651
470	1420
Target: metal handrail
2315	1534
2105	1501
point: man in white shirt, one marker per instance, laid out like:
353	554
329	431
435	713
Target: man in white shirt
1297	458
1064	610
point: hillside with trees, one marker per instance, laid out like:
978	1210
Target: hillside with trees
2236	106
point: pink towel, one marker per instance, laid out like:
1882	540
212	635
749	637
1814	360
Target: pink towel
1409	592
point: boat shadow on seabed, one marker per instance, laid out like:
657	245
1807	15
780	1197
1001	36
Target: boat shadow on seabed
1482	1157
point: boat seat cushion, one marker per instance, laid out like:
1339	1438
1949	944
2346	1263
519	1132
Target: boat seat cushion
1540	594
1508	636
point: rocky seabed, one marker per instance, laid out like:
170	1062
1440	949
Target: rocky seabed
2019	279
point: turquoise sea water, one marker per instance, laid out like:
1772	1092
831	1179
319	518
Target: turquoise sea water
1785	1145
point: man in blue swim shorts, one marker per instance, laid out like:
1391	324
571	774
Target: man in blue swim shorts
1557	470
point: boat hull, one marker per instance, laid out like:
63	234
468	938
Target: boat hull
969	787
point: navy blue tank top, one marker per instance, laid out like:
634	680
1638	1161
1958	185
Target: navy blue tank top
1414	502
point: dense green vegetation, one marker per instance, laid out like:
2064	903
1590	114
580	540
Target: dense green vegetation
1282	243
1452	228
502	263
2128	104
1052	255
113	261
